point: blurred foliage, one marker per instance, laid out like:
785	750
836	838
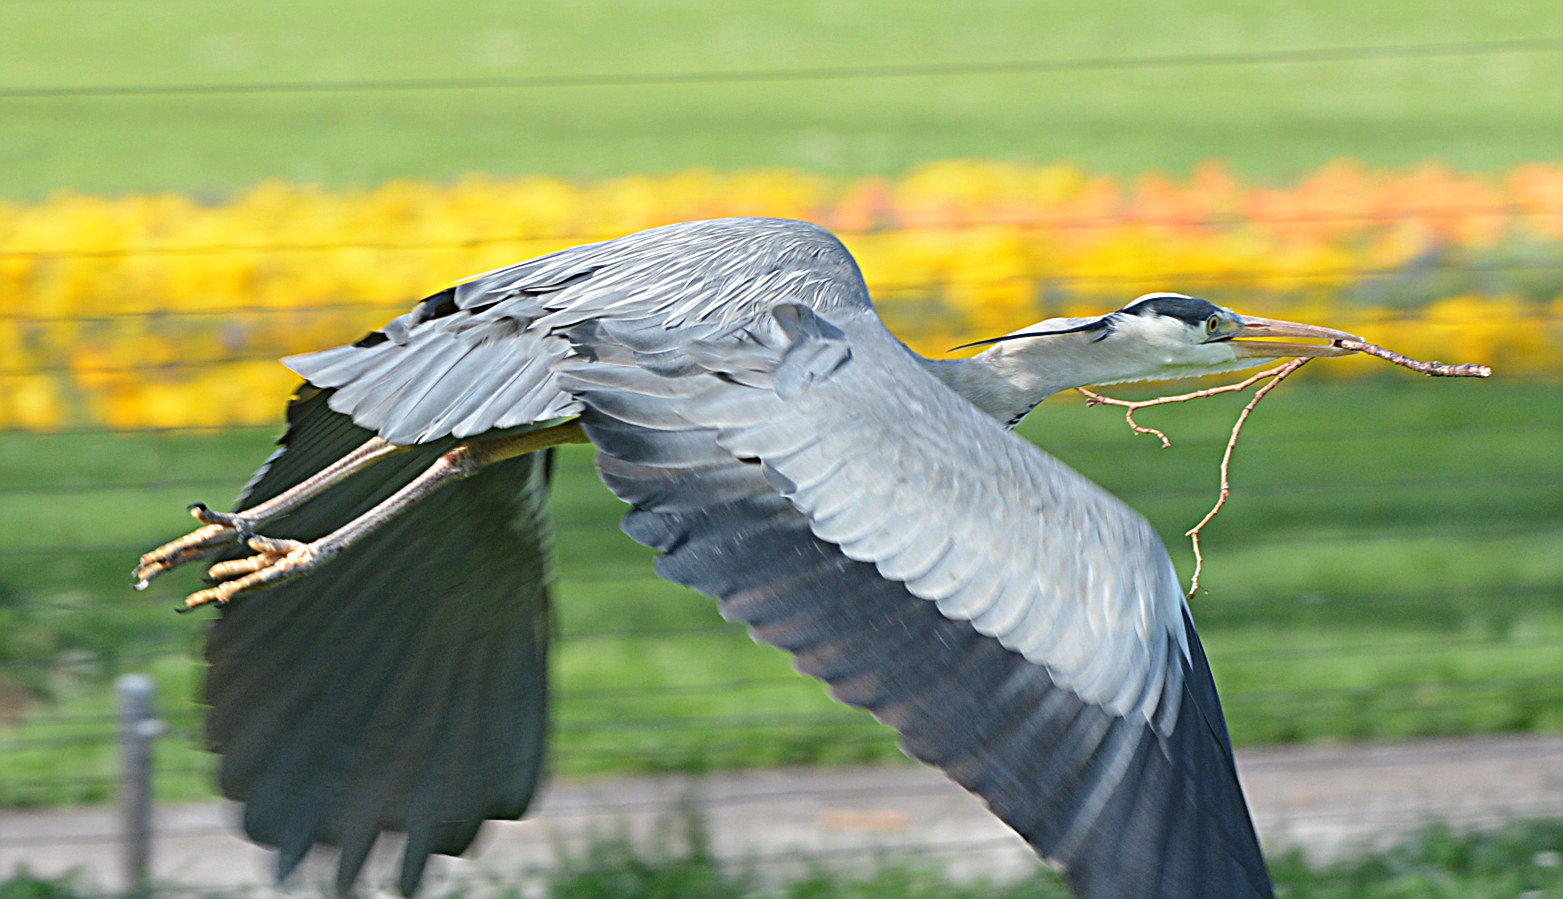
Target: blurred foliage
157	310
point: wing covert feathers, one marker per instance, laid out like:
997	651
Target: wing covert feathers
1135	800
1021	628
481	355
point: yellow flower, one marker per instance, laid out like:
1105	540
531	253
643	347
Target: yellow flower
157	310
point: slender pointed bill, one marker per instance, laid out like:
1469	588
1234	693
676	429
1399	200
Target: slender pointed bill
1270	349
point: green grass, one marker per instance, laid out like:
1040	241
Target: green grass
1519	860
1391	564
1270	120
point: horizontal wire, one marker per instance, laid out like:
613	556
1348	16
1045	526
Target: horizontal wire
1407	647
88	780
890	228
1124	492
897	791
1492	532
817	861
1484	431
1358	599
1228	277
1483	686
1283	702
187	723
1226	658
821	73
114	838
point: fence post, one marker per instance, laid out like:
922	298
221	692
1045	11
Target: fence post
138	726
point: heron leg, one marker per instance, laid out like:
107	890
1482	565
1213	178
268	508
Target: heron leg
221	529
276	561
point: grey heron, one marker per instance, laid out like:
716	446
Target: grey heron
864	508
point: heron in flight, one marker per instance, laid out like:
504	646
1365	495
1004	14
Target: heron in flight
380	663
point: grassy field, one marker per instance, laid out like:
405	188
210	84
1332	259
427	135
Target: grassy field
1391	564
1272	118
1520	859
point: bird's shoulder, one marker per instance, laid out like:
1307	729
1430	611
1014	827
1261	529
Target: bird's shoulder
687	272
480	355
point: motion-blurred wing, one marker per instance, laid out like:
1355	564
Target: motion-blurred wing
403	686
481	355
1019	626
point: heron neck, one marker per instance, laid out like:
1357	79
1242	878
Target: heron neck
1003	394
1010	379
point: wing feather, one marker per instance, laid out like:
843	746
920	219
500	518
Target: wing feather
1016	624
432	372
401	688
1065	753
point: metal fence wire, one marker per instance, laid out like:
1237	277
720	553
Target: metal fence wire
1484	672
1389	647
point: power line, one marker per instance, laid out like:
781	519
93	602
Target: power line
1465	533
1283	488
1060	223
822	73
273	429
1239	276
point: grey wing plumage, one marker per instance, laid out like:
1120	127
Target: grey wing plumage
482	355
1019	626
402	687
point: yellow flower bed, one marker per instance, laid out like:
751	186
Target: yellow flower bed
163	311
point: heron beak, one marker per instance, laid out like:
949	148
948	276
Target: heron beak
1269	349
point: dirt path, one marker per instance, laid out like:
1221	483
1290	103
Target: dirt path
1322	799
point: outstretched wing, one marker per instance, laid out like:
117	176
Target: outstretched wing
1019	626
482	355
403	686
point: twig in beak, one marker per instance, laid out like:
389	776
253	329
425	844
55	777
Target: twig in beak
1431	369
1096	399
1277	375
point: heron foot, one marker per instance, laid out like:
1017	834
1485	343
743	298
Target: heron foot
274	562
224	529
219	531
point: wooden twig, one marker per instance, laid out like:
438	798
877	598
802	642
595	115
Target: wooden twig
1278	374
1096	399
1431	369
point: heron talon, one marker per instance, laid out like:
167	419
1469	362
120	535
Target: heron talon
204	514
201	543
273	562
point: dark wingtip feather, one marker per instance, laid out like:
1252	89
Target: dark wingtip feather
303	680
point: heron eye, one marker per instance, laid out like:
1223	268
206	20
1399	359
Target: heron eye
1212	323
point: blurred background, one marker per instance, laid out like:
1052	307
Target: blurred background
191	188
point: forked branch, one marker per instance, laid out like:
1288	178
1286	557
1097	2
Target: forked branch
1275	376
1133	406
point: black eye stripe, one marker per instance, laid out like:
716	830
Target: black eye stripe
1189	309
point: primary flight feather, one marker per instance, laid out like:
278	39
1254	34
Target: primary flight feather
381	660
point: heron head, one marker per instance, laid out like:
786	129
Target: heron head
1158	336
